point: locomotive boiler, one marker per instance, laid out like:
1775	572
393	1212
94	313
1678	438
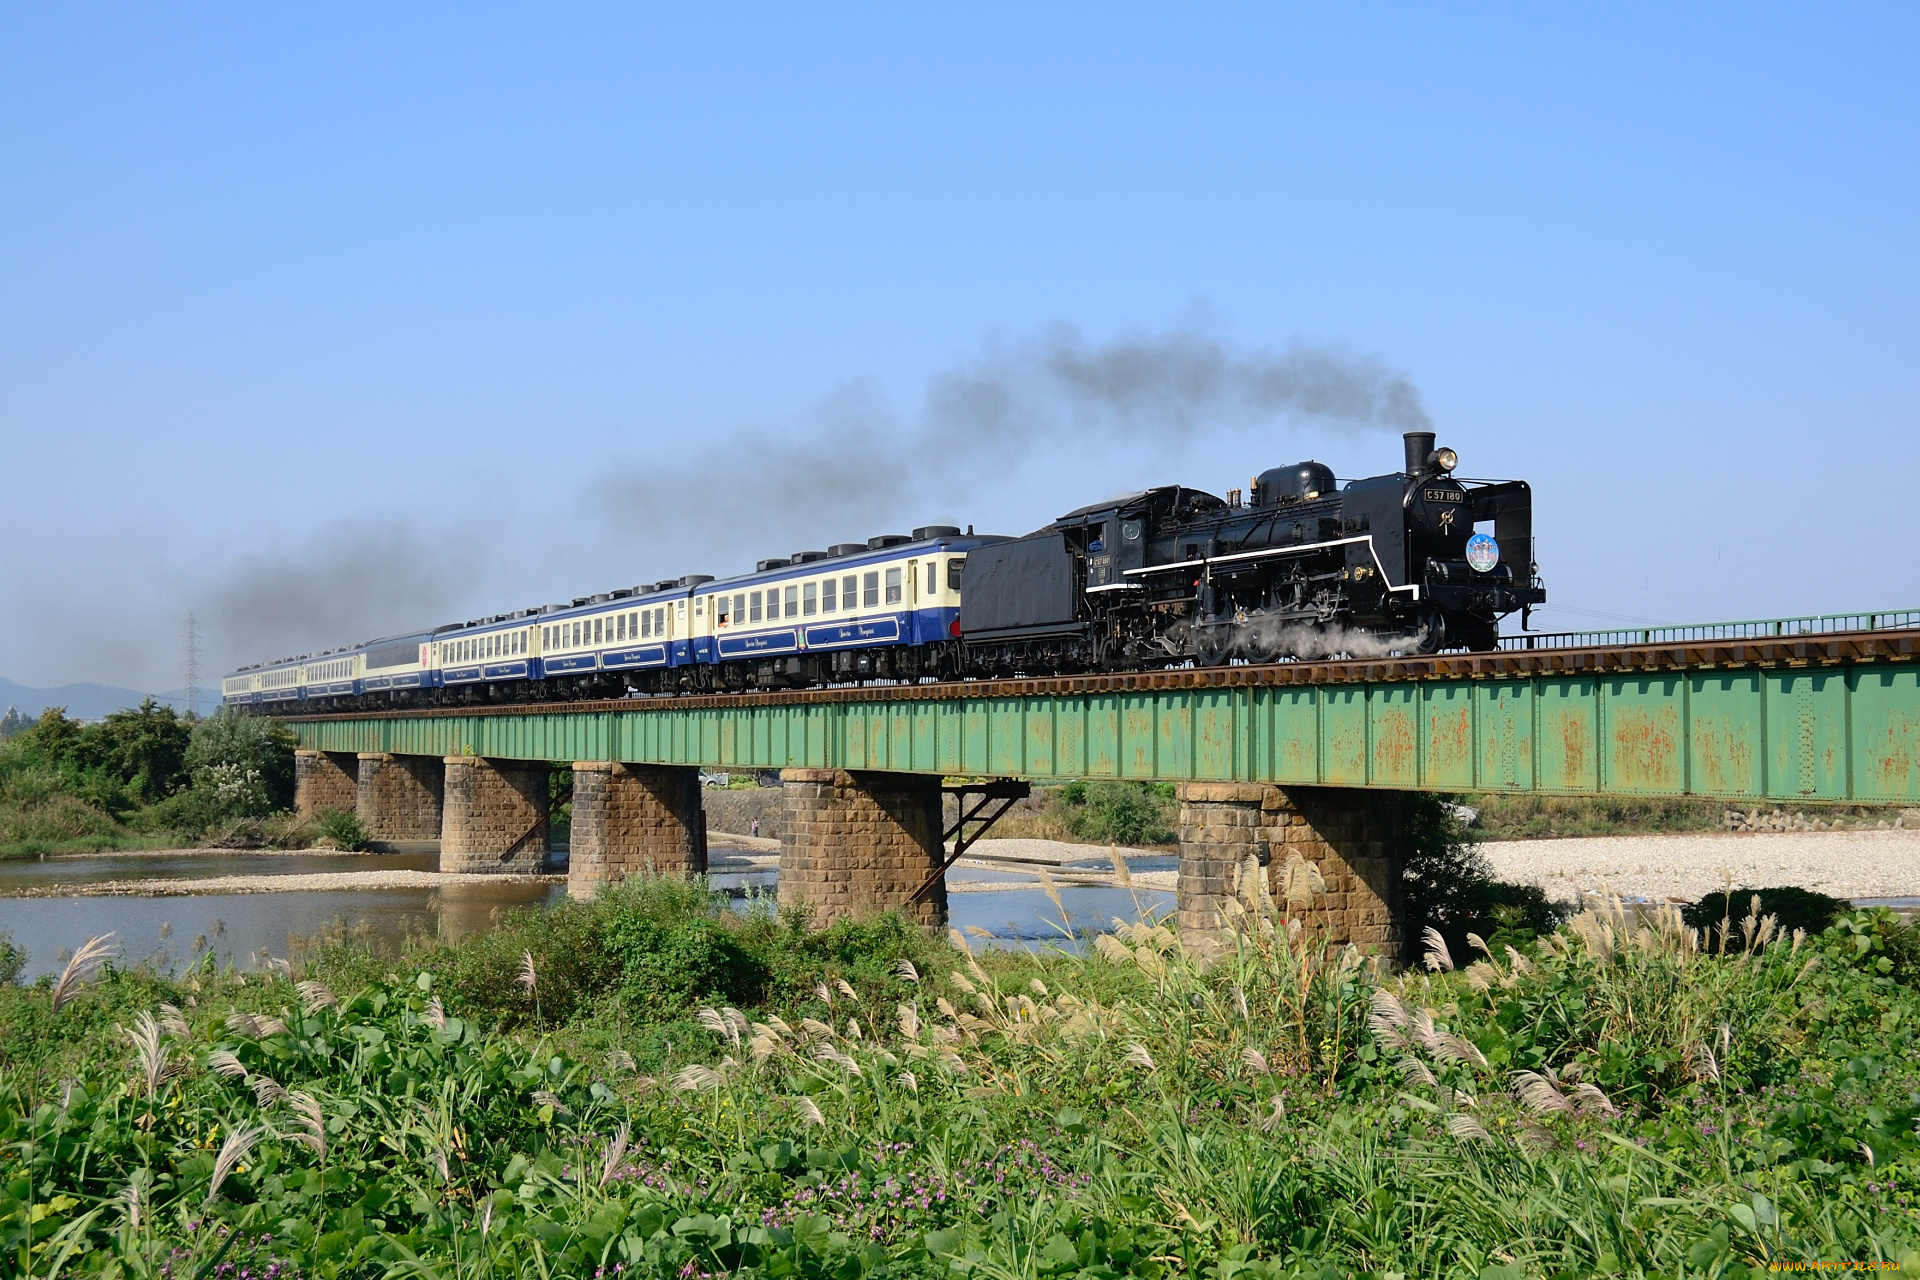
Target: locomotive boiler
1415	561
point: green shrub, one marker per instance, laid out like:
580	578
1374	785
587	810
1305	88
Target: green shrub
1129	813
1795	908
243	754
13	958
1449	885
341	828
58	823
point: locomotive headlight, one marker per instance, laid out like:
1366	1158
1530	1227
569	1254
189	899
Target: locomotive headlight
1445	459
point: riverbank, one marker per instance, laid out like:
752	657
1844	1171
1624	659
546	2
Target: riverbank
1855	865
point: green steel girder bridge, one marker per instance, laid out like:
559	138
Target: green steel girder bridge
1805	709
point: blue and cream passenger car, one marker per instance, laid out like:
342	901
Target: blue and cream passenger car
887	608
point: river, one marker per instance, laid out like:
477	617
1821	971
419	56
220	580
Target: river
240	929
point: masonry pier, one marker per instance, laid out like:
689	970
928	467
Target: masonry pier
857	843
1352	836
324	780
399	799
633	819
495	816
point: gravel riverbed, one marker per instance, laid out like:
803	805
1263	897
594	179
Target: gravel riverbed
1846	864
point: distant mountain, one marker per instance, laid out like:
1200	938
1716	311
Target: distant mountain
82	701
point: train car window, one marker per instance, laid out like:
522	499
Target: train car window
633	626
933	576
753	607
809	599
893	586
739	608
870	591
849	592
793	602
954	569
620	627
826	595
660	621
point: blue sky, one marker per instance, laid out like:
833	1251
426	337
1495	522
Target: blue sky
328	322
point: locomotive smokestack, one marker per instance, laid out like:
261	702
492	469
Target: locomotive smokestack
1419	445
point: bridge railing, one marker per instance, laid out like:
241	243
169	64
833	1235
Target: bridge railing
1754	629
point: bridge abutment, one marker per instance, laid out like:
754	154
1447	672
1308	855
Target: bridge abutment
856	844
495	816
324	780
1352	836
633	819
399	798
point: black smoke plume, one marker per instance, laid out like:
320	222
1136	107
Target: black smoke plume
852	461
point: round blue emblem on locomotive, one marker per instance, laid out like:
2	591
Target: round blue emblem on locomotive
1482	552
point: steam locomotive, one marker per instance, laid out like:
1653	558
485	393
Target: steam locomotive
1301	568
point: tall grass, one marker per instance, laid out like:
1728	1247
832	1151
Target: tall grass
1630	1097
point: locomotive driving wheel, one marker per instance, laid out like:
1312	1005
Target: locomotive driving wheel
1212	643
1431	635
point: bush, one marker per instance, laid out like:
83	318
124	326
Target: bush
661	946
13	958
1130	813
1449	885
1795	908
57	823
340	828
230	750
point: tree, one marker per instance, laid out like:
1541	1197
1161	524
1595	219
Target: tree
13	724
143	749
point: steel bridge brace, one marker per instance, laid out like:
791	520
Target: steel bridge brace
999	795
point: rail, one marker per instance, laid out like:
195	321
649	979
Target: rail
1755	629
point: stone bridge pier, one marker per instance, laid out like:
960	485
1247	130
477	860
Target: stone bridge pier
634	819
399	799
324	780
494	816
854	844
1352	836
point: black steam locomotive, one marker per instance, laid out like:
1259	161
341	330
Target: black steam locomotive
1302	568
